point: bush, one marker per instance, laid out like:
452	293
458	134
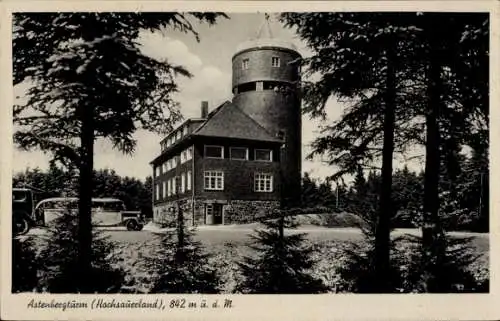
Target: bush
59	260
342	219
24	266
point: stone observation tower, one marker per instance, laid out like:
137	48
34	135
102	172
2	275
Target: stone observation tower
240	161
266	86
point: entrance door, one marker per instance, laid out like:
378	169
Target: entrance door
217	213
213	214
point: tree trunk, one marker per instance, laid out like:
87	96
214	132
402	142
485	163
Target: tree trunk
432	237
85	199
382	234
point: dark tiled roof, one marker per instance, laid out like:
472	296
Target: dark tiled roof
231	122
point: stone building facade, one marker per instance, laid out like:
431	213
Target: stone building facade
243	159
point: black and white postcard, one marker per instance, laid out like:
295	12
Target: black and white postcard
249	160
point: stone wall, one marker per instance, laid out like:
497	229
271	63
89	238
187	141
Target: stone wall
235	212
241	212
167	212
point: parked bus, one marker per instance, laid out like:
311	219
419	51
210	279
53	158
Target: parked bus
106	212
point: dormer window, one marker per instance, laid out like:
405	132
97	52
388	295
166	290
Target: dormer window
178	135
275	62
264	155
245	64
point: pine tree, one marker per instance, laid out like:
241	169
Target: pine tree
452	271
418	49
310	197
280	263
180	263
59	260
362	60
90	80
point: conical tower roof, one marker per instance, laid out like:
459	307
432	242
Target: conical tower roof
265	38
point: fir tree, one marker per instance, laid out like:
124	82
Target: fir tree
451	271
180	263
280	263
89	79
59	260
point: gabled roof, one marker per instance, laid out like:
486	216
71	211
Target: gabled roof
229	121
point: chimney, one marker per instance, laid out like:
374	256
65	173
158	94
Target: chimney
204	109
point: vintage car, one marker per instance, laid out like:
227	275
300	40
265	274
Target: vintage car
106	212
23	218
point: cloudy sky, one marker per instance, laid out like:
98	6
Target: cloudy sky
210	62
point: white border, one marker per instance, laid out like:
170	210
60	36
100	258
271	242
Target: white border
255	307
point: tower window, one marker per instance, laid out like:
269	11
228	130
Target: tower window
260	86
244	64
275	61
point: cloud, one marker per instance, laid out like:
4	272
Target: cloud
208	82
160	47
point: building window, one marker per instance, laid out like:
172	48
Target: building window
164	189
188	181
178	135
260	86
239	153
275	61
164	167
183	183
183	156
190	153
214	151
245	64
185	131
157	191
157	171
169	188
264	155
174	186
174	162
263	182
214	180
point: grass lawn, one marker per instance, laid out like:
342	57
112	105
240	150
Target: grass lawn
228	244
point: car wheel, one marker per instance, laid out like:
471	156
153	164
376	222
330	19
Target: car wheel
132	225
139	227
20	226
